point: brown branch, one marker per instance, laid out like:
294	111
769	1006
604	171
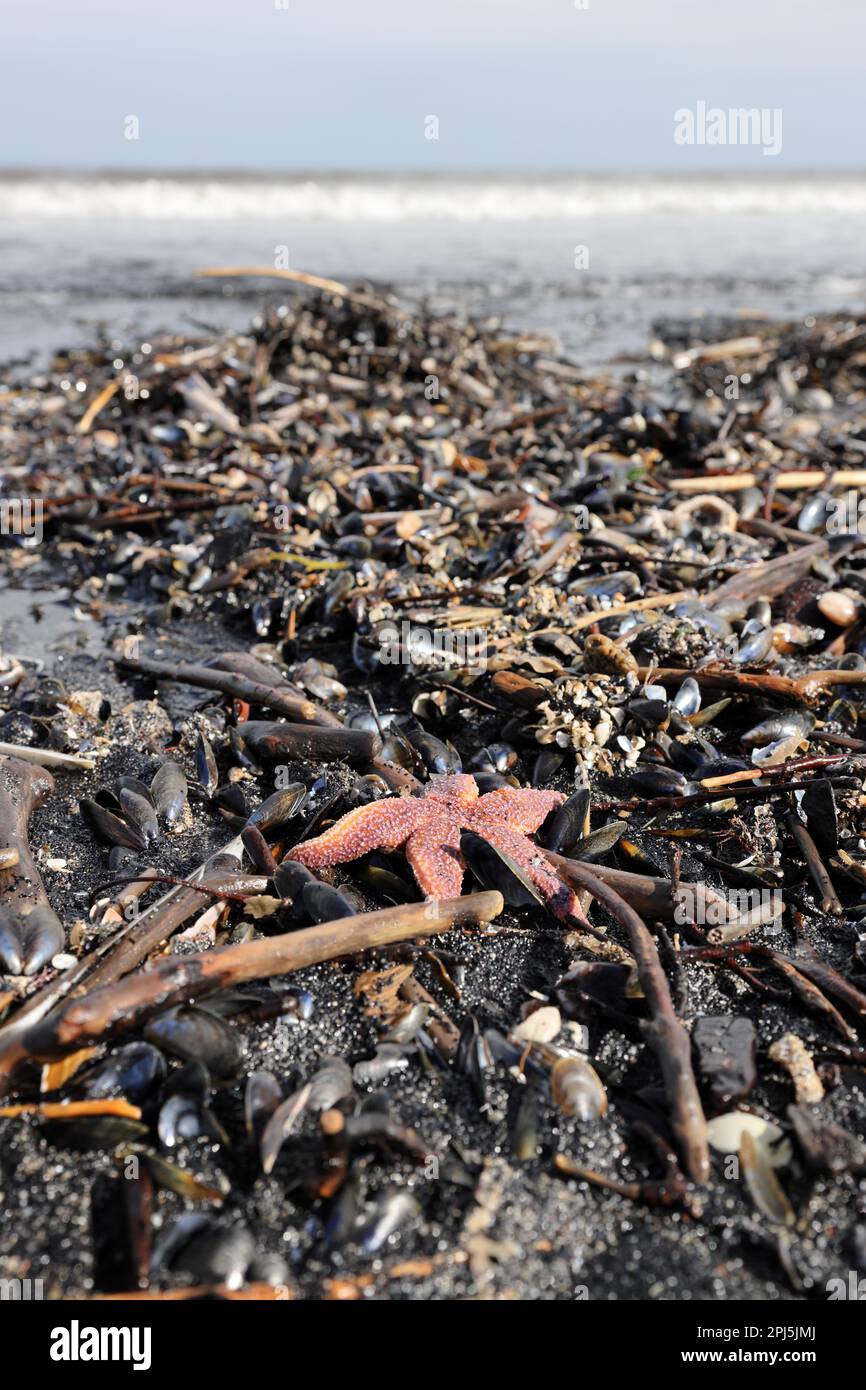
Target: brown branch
275	698
665	1033
121	1007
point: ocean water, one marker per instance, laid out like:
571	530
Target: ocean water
597	260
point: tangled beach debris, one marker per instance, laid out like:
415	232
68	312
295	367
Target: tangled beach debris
453	853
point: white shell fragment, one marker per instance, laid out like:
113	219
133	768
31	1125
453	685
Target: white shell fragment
725	1134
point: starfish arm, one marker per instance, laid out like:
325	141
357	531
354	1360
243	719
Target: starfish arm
436	861
556	894
380	825
521	809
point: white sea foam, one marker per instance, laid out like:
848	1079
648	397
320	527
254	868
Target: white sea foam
419	198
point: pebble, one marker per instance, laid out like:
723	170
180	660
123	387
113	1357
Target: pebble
838	608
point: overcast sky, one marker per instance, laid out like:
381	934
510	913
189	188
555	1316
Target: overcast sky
515	84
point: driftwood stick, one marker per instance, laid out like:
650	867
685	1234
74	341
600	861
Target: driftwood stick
665	1033
801	691
118	1008
114	958
764	790
232	683
46	757
814	863
651	897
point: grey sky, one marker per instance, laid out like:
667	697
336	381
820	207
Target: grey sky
516	84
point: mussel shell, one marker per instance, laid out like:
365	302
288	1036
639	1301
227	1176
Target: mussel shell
87	1132
262	1095
131	1071
495	869
687	700
291	879
197	1035
599	842
565	827
230	797
324	903
169	791
330	1084
139	812
174	1179
388	1058
108	827
29	941
438	757
818	804
393	1209
652	713
184	1118
206	765
654	779
210	1252
279	808
779	726
576	1088
755	648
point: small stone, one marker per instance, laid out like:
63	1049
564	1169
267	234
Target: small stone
55	865
725	1048
64	961
838	608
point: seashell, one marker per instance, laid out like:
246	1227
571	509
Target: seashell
816	513
766	1190
279	808
840	607
140	813
576	1089
132	1071
566	826
780	726
324	903
687	700
725	1134
206	765
495	869
198	1035
109	828
169	791
262	1095
704	510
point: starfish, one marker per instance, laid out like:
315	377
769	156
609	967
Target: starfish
427	829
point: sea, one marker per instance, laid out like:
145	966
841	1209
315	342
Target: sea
599	261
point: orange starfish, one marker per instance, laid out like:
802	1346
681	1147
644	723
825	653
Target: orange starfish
427	828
